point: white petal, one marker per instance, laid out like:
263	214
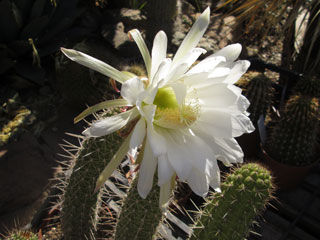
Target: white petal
165	193
215	122
193	55
146	96
180	91
198	182
238	69
178	156
219	95
138	134
159	51
215	180
195	79
162	72
165	170
176	73
136	35
130	90
146	172
95	64
193	37
207	65
149	112
157	141
113	164
228	150
241	124
219	72
243	103
110	124
100	106
230	52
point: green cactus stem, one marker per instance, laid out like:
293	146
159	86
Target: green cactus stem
139	218
230	214
293	139
80	204
308	85
259	91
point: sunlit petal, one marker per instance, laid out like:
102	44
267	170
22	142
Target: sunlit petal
159	51
131	89
230	52
110	124
138	134
146	172
193	37
136	35
95	64
113	164
165	170
100	106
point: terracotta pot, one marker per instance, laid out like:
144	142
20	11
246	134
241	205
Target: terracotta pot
250	144
286	177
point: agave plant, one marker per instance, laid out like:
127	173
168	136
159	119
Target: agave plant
36	30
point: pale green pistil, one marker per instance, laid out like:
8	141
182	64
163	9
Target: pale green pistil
166	98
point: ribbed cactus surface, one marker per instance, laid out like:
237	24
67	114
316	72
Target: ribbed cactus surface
230	214
80	204
293	139
308	85
139	218
259	91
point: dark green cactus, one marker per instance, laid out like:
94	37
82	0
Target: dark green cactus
139	218
293	139
308	85
259	91
80	204
230	214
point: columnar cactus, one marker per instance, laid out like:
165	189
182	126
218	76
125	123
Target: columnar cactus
80	204
308	85
259	91
230	214
139	218
293	139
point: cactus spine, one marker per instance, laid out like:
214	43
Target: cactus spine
293	139
22	235
80	204
229	215
258	89
139	218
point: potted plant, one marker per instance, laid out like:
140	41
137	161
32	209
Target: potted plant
257	88
290	148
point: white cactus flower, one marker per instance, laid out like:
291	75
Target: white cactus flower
188	116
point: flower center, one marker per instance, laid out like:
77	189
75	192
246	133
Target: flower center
169	114
166	98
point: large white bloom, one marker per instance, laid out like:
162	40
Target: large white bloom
188	116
